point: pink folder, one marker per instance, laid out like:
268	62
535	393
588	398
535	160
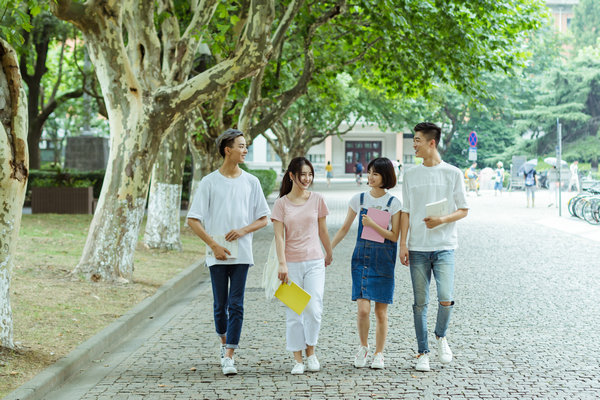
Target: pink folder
381	218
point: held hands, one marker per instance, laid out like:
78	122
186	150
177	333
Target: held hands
404	254
234	234
220	252
328	259
432	222
282	273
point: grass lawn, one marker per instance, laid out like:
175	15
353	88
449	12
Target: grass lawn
54	312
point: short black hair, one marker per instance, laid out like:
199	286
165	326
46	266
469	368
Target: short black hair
384	167
226	139
430	131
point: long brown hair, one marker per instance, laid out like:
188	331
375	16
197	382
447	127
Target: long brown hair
295	167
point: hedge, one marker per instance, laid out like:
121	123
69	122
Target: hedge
58	177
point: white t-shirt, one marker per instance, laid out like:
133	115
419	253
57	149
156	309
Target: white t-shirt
222	204
378	203
423	185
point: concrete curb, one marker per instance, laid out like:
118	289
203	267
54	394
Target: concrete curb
109	338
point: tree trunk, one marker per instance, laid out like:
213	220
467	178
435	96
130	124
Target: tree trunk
33	143
143	104
196	168
163	223
13	176
113	234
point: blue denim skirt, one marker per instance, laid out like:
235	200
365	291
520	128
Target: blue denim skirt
373	270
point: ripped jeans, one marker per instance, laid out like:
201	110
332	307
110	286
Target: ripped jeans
422	264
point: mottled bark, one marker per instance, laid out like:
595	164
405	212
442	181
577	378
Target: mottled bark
164	203
143	105
196	168
14	169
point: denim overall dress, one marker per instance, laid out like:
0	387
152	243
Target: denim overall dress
373	265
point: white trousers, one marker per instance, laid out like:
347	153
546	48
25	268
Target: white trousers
303	329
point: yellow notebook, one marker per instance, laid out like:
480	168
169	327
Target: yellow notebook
293	296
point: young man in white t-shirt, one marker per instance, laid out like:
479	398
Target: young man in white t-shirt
228	207
431	240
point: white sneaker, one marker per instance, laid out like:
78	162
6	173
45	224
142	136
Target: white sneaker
312	364
222	350
228	367
377	361
298	369
444	352
423	362
360	360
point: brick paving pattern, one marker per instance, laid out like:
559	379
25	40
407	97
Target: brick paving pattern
525	325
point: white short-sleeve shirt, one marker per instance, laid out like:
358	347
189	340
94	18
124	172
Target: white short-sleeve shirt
222	204
423	185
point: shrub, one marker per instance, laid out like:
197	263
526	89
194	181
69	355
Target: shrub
267	178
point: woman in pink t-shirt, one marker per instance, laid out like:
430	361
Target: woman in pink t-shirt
299	223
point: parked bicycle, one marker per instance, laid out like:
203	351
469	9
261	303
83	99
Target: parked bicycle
586	205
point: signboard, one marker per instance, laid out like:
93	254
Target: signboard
473	154
472	139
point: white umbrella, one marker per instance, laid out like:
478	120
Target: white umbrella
552	161
528	166
270	281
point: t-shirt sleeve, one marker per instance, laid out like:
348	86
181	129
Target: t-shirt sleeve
354	203
200	204
261	208
278	211
460	194
322	210
396	206
405	207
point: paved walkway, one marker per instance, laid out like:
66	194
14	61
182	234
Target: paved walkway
525	325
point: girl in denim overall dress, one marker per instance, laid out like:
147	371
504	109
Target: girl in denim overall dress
373	263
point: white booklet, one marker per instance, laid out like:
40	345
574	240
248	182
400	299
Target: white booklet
437	209
231	246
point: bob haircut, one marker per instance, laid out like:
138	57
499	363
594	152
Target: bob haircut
384	167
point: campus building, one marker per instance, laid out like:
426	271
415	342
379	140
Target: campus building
362	143
562	12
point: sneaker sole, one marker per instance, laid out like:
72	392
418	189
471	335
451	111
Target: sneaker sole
229	372
423	369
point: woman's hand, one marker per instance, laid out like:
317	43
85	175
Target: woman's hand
282	273
368	221
328	259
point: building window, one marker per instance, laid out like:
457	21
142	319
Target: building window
409	159
316	158
250	155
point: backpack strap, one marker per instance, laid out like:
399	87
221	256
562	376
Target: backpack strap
362	199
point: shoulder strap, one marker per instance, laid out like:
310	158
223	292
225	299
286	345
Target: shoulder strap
362	199
389	203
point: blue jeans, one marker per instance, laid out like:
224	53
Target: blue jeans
422	264
228	285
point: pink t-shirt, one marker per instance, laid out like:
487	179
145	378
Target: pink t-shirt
302	242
